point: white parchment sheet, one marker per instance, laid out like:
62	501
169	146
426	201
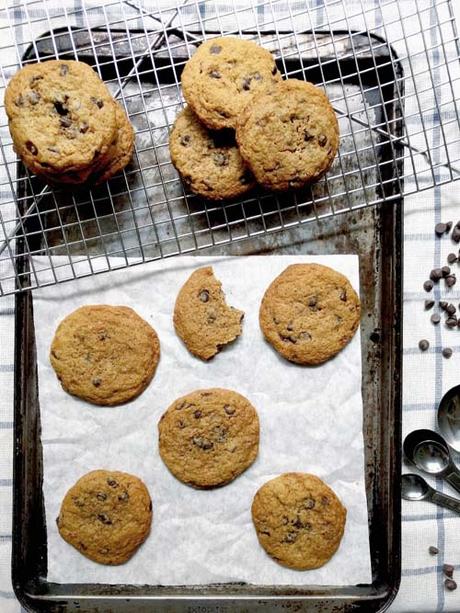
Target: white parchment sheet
310	418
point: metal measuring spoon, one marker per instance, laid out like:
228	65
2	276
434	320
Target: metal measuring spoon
449	417
414	487
430	453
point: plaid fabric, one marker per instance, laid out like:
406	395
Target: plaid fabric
426	376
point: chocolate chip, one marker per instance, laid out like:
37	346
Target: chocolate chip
229	409
63	70
274	70
423	345
433	550
223	114
448	570
150	505
343	295
215	74
450	584
105	519
112	482
19	100
220	159
124	496
429	304
197	414
322	140
35	79
65	122
96	382
440	228
204	295
84	126
34	97
60	108
246	83
31	147
455	236
101	496
452	258
290	537
312	301
97	101
215	49
443	304
428	286
435	318
202	443
451	280
82	546
185	140
445	271
450	309
448	226
451	322
436	274
447	352
307	136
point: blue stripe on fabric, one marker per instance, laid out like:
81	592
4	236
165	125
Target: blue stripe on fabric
5	537
7	595
6	425
429	516
6	367
6	482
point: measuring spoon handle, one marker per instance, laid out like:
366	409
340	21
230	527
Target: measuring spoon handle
453	478
446	501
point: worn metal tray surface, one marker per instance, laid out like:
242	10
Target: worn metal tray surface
374	233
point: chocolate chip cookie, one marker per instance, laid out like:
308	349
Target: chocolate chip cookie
222	77
61	116
299	520
106	515
209	437
309	313
104	354
202	318
289	136
208	162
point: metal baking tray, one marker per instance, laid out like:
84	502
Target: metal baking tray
374	233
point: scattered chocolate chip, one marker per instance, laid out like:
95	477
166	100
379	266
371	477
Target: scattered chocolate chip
246	83
60	108
307	136
220	433
19	100
82	546
97	101
428	286
31	147
445	271
343	295
312	301
423	345
204	295
63	70
429	304
34	97
452	258
105	519
449	226
322	140
229	409
451	322
112	482
443	304
65	122
433	550
96	382
450	584
215	74
440	228
34	79
84	126
450	309
215	49
447	352
457	225
451	280
436	274
435	318
124	496
455	236
448	570
101	496
185	140
220	159
197	414
202	443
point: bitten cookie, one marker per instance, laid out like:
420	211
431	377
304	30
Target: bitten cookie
106	516
61	116
309	313
104	354
208	162
299	520
223	75
209	437
202	318
289	136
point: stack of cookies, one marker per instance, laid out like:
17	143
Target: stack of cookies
65	125
245	125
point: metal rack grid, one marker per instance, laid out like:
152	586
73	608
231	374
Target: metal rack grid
139	49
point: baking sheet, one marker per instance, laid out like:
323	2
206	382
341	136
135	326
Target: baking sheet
311	420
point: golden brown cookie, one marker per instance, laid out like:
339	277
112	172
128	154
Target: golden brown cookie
289	137
61	116
202	318
208	162
309	313
222	77
106	515
299	520
209	437
104	354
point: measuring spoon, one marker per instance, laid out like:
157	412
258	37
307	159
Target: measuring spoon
414	487
430	453
449	417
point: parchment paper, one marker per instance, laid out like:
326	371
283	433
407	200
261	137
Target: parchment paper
311	420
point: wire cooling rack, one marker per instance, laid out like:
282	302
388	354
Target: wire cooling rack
390	68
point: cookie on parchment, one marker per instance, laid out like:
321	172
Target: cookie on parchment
299	520
105	354
309	313
208	162
61	116
209	437
202	318
289	137
106	515
223	75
